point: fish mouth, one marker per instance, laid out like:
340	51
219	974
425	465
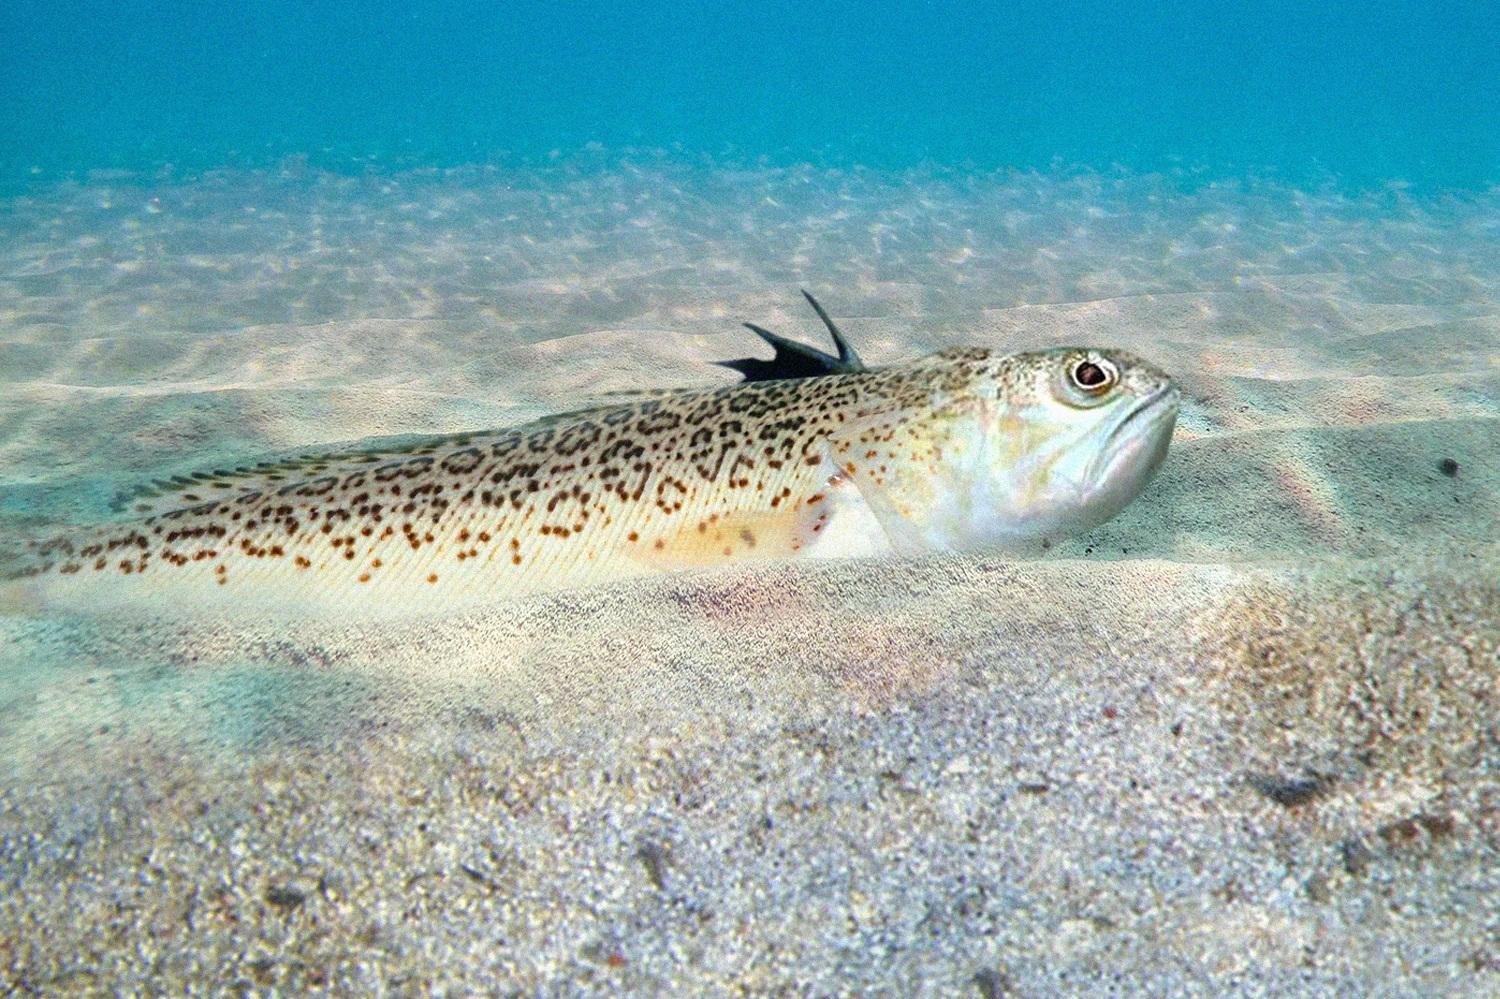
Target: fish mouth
1160	407
1167	394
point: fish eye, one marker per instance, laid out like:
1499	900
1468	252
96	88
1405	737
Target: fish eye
1093	377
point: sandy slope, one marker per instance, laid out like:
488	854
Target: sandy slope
1247	735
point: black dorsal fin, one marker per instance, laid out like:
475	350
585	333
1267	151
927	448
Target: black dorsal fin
796	360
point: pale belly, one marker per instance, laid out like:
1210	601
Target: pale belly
469	559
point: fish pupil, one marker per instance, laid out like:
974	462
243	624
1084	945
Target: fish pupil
1090	375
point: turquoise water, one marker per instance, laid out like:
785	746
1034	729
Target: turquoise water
1362	93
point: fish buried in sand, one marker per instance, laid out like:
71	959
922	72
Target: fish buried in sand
811	456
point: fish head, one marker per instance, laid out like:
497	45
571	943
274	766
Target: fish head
1084	432
1024	449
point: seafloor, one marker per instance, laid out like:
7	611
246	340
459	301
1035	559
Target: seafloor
1245	739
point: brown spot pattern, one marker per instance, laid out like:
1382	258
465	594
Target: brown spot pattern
516	510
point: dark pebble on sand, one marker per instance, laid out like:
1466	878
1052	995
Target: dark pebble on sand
993	984
654	857
1289	792
1356	856
285	897
1448	467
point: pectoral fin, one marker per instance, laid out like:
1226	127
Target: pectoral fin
731	537
834	522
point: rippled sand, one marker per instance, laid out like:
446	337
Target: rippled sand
1248	733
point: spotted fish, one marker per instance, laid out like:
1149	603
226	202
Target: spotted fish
812	456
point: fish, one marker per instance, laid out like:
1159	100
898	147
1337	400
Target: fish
810	456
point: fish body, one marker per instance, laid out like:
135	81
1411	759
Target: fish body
961	450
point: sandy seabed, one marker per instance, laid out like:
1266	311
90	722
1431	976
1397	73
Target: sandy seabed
1244	739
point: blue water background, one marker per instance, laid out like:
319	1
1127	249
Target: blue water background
1355	93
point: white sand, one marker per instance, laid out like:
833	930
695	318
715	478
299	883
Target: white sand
1247	736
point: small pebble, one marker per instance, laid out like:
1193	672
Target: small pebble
958	767
1289	792
285	897
992	983
1356	856
654	857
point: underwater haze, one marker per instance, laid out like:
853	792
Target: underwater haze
1242	739
1363	92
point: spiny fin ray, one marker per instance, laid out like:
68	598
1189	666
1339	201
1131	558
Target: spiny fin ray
797	360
